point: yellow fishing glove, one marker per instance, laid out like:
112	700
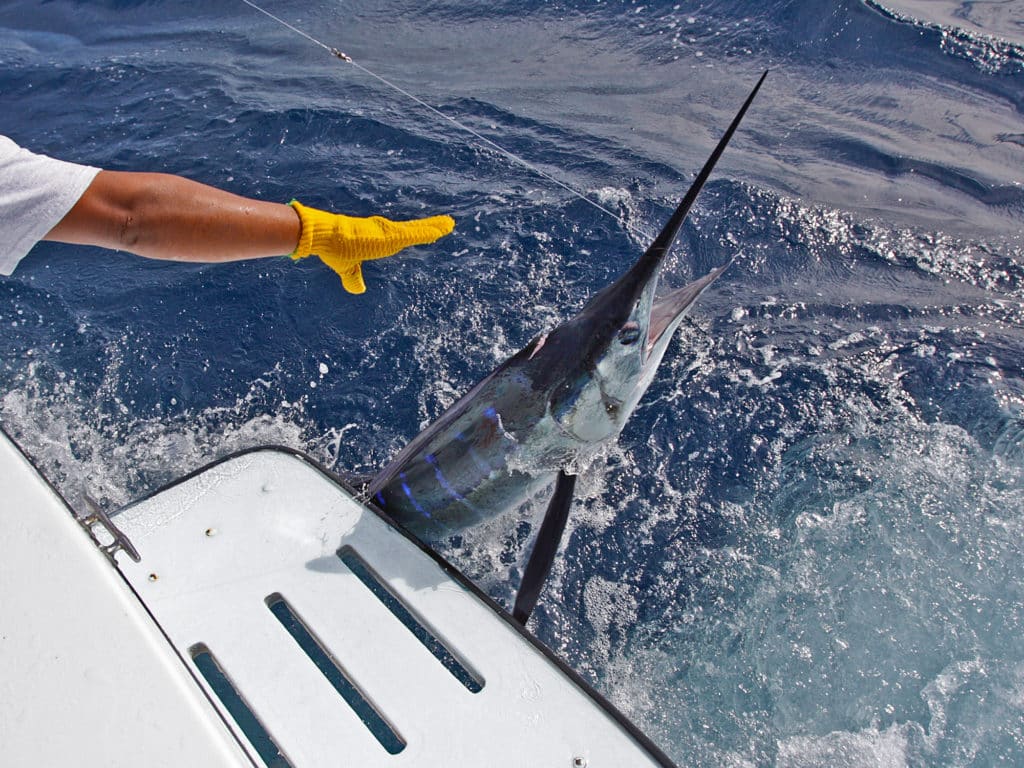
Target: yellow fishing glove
344	242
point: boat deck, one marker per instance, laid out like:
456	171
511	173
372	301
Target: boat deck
322	635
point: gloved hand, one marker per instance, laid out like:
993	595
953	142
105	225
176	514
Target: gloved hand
344	242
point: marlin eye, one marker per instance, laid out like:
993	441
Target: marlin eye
629	334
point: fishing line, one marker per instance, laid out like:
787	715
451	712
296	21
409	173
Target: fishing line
438	113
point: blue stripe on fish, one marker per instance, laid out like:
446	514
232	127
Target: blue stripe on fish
482	465
432	461
408	493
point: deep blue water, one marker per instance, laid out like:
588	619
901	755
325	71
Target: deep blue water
806	549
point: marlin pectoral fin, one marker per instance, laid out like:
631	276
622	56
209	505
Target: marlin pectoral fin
545	547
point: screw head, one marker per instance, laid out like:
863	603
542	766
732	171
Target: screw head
579	762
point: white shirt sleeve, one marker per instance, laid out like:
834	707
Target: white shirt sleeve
35	194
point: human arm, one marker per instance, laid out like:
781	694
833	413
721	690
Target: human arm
162	216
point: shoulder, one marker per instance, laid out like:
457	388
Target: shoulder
8	149
16	162
36	192
19	167
14	155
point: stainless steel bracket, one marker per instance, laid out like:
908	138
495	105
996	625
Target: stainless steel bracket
119	543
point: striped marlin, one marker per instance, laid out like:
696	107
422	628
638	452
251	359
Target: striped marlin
541	413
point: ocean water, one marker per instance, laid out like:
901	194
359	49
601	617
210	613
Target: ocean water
807	548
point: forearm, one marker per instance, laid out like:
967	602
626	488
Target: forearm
168	217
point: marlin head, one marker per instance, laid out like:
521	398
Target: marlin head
604	359
623	333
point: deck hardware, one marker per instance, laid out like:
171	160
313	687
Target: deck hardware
210	532
579	762
96	517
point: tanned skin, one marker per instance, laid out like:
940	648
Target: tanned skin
161	216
